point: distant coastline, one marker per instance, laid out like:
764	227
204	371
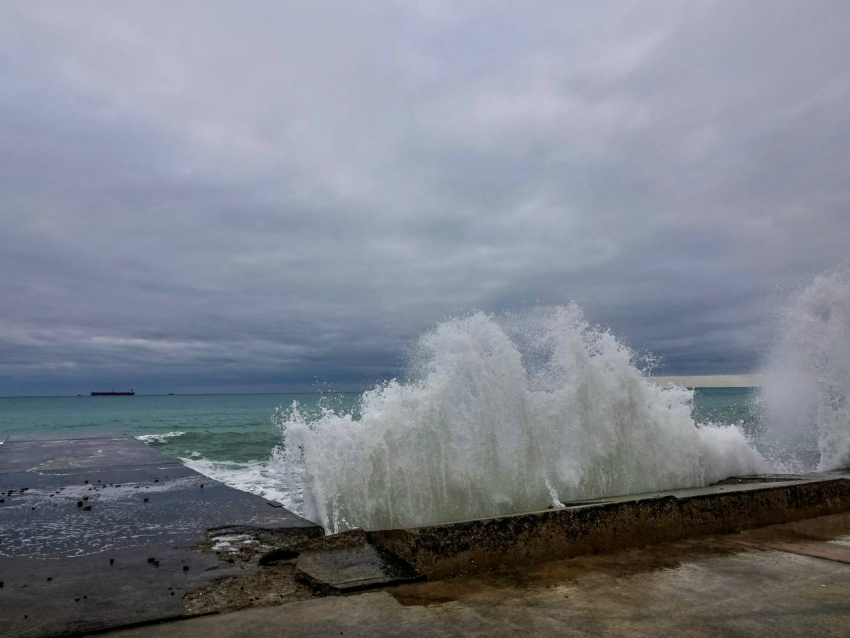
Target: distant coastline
712	380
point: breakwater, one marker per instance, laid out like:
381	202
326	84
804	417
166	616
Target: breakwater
104	532
611	524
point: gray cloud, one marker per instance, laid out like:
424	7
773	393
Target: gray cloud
208	196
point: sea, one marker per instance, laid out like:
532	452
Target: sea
231	437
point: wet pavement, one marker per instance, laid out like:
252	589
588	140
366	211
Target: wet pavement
733	585
97	532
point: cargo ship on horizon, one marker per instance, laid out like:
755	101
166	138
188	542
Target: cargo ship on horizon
113	393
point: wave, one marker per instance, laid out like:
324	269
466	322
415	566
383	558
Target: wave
257	477
158	438
805	396
502	415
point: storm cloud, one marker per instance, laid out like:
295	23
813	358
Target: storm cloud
211	196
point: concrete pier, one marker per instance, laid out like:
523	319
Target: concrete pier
103	532
97	532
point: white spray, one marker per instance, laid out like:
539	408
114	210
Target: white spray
505	415
806	384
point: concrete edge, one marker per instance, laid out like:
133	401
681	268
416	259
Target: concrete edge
442	551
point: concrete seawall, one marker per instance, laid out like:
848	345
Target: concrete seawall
442	551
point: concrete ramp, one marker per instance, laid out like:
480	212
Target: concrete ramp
96	532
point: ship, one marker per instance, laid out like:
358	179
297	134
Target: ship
113	393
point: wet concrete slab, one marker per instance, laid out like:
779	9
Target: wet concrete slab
97	532
699	588
350	569
825	537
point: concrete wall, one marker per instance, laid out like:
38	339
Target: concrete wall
442	551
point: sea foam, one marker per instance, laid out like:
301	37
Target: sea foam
257	477
158	438
502	415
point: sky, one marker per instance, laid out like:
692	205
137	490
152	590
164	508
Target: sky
222	196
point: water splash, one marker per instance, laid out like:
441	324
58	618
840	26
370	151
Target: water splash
805	394
503	415
158	438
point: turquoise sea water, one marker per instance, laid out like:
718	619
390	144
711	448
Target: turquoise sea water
230	437
223	427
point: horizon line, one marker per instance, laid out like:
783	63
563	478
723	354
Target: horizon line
752	380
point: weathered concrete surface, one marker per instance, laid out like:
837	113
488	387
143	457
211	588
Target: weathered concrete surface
81	518
700	588
341	563
442	551
340	571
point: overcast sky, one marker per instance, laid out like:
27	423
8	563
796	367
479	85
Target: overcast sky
209	196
